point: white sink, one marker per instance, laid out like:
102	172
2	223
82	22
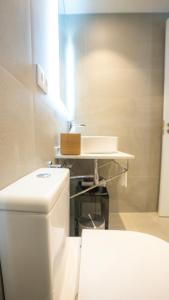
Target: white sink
99	144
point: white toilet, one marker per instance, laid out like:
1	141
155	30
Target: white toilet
40	262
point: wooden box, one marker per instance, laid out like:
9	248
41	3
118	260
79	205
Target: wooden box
70	143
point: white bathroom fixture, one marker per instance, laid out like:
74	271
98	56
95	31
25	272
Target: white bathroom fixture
40	262
34	225
123	265
99	144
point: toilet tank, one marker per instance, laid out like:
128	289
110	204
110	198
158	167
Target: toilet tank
34	223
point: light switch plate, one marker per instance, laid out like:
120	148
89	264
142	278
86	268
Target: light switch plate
41	79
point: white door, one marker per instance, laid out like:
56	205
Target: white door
164	183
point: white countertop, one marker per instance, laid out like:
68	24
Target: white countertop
114	155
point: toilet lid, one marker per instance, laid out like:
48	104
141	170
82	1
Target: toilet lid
123	265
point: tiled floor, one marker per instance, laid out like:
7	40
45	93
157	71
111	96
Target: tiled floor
142	222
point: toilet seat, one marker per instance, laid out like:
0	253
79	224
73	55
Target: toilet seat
123	265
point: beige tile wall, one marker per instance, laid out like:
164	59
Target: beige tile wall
119	91
29	125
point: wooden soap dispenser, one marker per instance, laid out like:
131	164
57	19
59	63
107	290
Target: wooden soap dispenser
70	143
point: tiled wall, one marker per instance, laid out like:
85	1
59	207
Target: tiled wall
29	126
119	91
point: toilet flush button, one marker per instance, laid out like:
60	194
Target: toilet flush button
43	175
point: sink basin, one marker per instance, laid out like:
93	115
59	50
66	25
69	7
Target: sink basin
99	144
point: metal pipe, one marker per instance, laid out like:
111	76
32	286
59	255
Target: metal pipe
82	176
96	173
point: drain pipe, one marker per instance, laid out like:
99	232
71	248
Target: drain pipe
96	172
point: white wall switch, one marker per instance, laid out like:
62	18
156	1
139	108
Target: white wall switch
41	79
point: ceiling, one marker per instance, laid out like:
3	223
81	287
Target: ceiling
112	6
